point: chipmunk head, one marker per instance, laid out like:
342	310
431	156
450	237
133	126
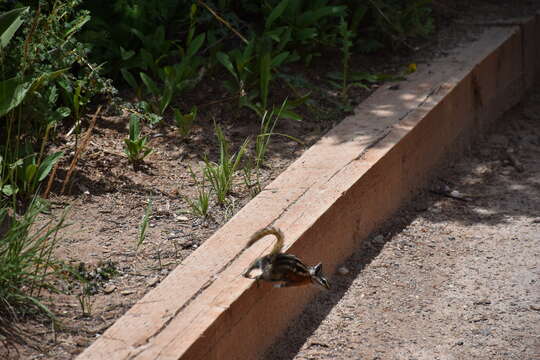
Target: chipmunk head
317	276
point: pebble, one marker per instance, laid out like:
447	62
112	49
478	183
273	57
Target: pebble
152	281
109	288
483	302
343	270
127	292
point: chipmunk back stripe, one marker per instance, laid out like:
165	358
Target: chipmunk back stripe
284	268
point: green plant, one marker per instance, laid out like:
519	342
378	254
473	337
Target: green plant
87	280
269	121
143	226
27	262
46	70
184	122
136	147
239	63
220	175
85	298
396	21
27	172
177	77
200	205
249	170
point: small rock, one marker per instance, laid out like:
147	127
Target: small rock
435	210
181	218
483	302
109	288
459	343
485	332
80	341
152	282
127	292
506	171
534	307
343	270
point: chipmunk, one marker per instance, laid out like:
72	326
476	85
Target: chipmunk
287	268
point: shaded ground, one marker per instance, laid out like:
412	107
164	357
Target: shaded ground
445	278
108	198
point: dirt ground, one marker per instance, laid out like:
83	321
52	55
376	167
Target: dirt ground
445	278
108	199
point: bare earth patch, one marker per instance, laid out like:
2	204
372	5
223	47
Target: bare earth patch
445	278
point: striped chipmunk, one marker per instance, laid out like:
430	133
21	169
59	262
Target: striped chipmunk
284	268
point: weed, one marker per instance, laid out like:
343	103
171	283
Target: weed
143	226
268	123
136	148
24	171
220	175
175	78
27	263
88	280
47	71
201	204
239	63
253	185
184	122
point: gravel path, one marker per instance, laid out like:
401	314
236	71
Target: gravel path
445	278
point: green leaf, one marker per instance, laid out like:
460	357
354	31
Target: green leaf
226	62
12	93
80	23
43	78
265	75
9	190
47	164
288	114
311	17
134	128
196	44
129	78
10	22
126	54
30	172
278	10
306	34
63	111
279	59
150	84
165	99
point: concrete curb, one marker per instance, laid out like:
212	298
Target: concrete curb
326	203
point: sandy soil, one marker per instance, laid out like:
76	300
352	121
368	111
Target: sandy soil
445	278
